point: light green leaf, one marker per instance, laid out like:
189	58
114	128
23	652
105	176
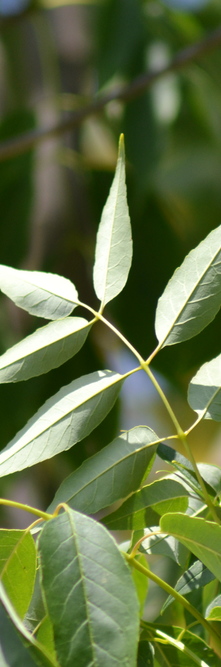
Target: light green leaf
89	592
46	348
201	537
213	612
42	294
18	646
192	297
111	474
18	567
113	253
204	393
135	513
62	421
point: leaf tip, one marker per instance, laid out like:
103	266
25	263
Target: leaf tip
121	152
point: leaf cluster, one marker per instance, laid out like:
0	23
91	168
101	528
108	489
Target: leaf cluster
71	593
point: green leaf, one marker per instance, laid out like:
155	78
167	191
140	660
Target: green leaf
187	472
47	348
204	393
145	656
42	294
135	513
141	582
192	297
213	612
18	567
89	593
202	537
62	421
113	253
197	576
111	474
18	646
165	546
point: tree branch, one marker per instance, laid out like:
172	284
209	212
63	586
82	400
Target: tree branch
28	140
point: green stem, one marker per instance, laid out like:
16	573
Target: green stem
166	639
177	596
26	508
144	365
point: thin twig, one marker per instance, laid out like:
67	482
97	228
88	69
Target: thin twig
28	140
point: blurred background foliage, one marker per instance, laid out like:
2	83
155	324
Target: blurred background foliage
55	57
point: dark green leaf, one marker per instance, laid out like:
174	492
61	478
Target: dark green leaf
89	593
111	474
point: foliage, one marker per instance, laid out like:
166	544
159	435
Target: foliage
76	594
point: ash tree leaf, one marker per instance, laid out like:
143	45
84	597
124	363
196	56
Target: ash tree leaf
204	393
201	537
47	348
180	648
197	576
111	474
18	567
164	545
62	421
18	646
135	513
113	254
42	294
89	592
186	471
213	611
192	297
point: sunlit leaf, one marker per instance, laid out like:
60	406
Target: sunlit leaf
113	253
213	611
176	647
204	394
192	297
160	496
89	593
111	474
62	421
46	348
18	567
201	537
42	294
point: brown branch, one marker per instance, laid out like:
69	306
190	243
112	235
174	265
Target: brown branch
28	140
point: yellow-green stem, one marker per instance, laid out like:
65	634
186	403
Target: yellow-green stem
26	508
177	596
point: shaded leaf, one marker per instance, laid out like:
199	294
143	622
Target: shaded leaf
186	471
42	294
145	656
165	546
192	297
197	576
135	513
201	537
204	393
89	593
111	474
113	253
47	348
18	567
18	646
62	421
